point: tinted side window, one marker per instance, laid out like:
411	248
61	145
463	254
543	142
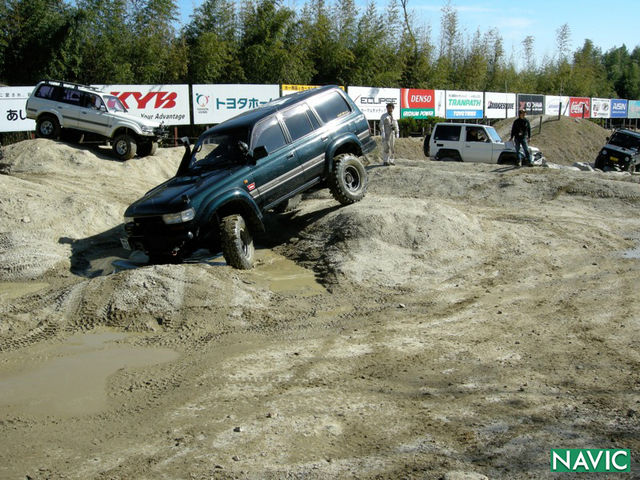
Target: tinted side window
447	132
49	92
297	121
331	106
71	96
269	134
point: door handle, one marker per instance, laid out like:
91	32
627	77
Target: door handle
439	144
291	155
325	138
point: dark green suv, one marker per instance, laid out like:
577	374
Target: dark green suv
246	166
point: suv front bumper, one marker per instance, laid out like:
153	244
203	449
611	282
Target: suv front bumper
152	236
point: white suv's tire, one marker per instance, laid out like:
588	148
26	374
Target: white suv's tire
47	126
147	149
125	146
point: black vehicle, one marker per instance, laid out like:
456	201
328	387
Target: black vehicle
621	153
247	165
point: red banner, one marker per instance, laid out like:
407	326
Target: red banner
580	107
416	98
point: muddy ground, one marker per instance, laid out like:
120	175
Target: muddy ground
458	323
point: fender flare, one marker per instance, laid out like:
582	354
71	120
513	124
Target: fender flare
345	143
232	201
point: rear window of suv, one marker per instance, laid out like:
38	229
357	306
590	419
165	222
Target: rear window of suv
447	132
330	106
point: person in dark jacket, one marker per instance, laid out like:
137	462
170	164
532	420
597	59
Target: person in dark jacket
521	133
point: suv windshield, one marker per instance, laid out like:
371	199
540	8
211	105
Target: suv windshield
114	104
624	140
493	134
220	149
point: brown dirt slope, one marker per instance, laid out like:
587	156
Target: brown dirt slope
457	323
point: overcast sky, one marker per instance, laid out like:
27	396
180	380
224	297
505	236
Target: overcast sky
607	24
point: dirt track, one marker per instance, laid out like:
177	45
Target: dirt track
459	322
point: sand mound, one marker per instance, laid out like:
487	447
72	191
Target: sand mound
53	194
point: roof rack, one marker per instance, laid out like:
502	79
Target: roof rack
75	85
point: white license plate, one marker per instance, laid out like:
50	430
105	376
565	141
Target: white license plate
125	244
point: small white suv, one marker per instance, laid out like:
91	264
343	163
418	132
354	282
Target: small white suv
464	142
97	115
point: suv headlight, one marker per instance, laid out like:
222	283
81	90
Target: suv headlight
147	129
604	151
180	217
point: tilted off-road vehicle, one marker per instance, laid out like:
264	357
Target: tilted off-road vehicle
622	152
95	115
462	142
245	166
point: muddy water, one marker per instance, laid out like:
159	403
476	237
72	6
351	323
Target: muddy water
284	276
72	379
13	290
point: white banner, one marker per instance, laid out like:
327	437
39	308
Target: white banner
552	104
441	99
160	103
499	105
13	111
217	103
600	108
373	101
462	105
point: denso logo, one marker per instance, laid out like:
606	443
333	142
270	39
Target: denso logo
421	98
142	100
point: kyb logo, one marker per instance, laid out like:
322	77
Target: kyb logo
590	460
141	100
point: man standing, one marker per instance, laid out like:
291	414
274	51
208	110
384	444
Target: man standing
389	131
521	132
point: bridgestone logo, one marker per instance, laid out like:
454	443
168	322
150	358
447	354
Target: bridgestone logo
501	106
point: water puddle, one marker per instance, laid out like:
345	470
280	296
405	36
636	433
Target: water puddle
13	290
72	381
285	276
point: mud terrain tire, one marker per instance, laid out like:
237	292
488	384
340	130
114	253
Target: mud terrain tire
236	242
124	146
348	180
47	126
147	149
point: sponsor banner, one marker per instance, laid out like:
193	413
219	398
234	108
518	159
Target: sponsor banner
618	108
556	105
289	89
417	103
633	109
13	110
217	103
461	104
580	107
373	101
168	104
600	108
499	105
532	104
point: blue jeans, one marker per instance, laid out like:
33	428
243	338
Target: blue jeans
522	142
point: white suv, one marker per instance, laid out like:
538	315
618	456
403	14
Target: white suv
464	142
58	105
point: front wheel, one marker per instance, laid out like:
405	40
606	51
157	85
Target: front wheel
147	149
348	180
236	242
47	126
124	146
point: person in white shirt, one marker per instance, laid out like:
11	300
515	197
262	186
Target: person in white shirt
389	131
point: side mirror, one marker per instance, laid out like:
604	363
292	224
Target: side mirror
259	152
608	138
186	158
184	141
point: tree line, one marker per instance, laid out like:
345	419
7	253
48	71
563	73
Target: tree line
265	41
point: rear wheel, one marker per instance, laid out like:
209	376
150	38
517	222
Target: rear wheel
125	146
47	126
348	180
237	242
